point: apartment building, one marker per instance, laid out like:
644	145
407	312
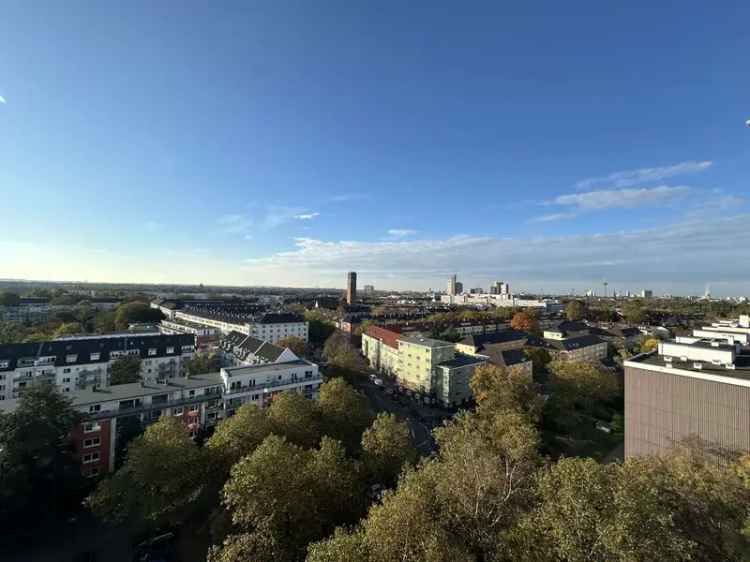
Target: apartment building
259	384
571	341
693	388
270	326
206	337
200	402
275	326
241	349
82	362
503	348
425	365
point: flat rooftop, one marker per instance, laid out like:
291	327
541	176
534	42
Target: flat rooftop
246	369
741	363
427	342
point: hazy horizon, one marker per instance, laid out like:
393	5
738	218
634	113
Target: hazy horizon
254	144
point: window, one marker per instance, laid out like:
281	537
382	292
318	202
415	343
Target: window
194	408
191	394
93	472
90	457
92	442
95	356
66	379
170	350
71	358
4	364
152	351
177	411
90	427
95	408
156	414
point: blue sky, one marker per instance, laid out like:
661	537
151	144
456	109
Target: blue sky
548	144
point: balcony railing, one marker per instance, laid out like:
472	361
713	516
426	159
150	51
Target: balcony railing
274	384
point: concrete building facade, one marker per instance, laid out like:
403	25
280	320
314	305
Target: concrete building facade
688	390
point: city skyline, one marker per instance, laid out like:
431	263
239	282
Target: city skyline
407	143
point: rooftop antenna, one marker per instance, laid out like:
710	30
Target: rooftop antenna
605	288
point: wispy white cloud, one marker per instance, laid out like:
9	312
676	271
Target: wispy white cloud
578	203
401	232
690	251
630	178
2	100
554	217
306	216
346	197
235	223
621	198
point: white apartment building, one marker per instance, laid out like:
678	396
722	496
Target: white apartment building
259	384
199	402
271	326
77	363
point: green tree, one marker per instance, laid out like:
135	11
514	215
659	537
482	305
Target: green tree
68	329
295	417
345	413
203	363
579	389
296	344
11	332
633	312
159	484
649	344
387	448
238	436
104	322
575	311
294	495
497	389
9	299
125	370
37	473
340	352
319	328
132	312
539	357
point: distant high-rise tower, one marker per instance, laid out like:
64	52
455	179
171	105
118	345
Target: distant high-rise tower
452	282
351	287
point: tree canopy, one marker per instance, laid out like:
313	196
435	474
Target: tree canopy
125	370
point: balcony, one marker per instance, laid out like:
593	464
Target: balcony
275	384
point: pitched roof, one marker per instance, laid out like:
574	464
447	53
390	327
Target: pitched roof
387	336
571	344
503	336
84	347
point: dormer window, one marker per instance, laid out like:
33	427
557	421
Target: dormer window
152	351
71	358
95	356
170	350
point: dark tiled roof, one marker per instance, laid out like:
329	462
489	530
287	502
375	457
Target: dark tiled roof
503	336
269	352
462	360
84	347
571	344
279	318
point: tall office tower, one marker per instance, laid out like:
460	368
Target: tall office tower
351	287
452	285
504	288
459	288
